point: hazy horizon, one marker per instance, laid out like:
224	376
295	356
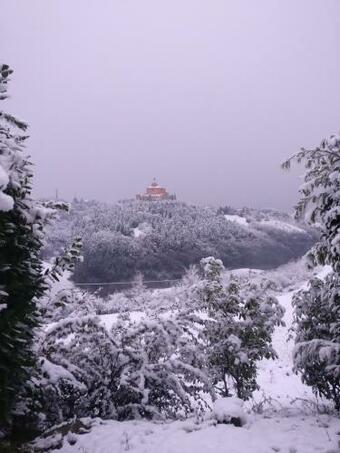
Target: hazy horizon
208	97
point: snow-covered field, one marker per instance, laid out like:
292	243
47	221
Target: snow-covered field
284	416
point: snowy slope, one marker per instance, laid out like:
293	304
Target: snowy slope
284	226
273	223
276	377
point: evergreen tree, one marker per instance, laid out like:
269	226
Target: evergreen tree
317	343
20	266
22	279
319	202
317	310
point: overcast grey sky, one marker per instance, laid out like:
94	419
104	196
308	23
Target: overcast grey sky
208	96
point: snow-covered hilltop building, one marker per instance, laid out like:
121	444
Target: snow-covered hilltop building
155	192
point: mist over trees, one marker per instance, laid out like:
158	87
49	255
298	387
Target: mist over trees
162	239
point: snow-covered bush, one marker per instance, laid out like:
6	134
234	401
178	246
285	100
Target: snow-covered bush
115	303
165	370
317	327
238	327
84	357
68	302
150	368
317	310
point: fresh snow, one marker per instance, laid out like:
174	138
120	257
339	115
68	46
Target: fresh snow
282	226
110	319
293	434
276	378
226	409
278	224
6	202
137	232
4	179
53	373
236	219
283	416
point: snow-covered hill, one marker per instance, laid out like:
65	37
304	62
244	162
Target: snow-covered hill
162	239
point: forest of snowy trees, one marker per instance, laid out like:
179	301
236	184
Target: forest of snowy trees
162	239
61	360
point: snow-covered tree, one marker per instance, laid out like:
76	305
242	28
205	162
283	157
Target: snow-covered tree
317	327
23	280
238	327
317	309
22	283
319	202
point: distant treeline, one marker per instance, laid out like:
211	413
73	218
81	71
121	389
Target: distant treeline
162	239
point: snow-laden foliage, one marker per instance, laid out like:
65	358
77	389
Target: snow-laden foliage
162	239
204	338
238	327
21	225
165	372
317	310
319	202
317	327
153	367
23	280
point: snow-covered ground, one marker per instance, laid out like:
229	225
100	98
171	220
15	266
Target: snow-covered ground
284	416
276	377
293	434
